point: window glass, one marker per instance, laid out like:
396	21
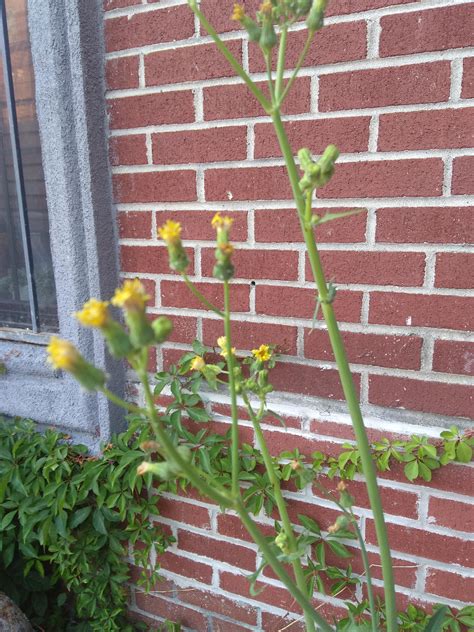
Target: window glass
15	299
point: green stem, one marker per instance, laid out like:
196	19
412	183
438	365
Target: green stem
233	395
281	62
189	471
299	63
268	64
281	505
118	401
370	591
277	566
258	94
200	296
345	376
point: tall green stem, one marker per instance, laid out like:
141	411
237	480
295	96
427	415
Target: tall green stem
233	394
345	376
193	289
281	505
281	63
277	566
189	471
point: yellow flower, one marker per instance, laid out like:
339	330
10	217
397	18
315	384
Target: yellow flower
198	364
263	353
222	222
226	249
93	314
266	7
170	232
222	342
131	295
62	354
238	13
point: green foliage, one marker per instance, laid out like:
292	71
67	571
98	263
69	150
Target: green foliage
66	522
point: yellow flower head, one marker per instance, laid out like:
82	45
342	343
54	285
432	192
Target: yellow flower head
226	249
238	13
170	232
144	468
198	364
62	354
266	7
222	342
93	314
263	353
131	295
222	222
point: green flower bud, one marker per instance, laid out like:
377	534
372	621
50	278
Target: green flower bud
118	342
162	328
89	377
141	332
268	38
282	542
252	28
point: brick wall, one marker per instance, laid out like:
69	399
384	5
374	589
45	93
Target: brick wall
392	89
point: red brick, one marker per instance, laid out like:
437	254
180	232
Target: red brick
451	514
434	129
258	264
151	109
427	397
401	352
134	224
118	4
432	225
432	546
236	101
463	182
247	183
271	595
388	178
189	63
419	83
378	268
309	380
122	73
405	573
176	294
196	225
148	259
232	527
451	356
454	270
450	585
204	145
335	43
278	225
173	509
337	7
248	335
176	186
275	622
182	565
456	476
221	605
172	610
219	13
128	150
468	78
423	31
301	302
149	27
238	556
184	329
421	310
219	625
350	134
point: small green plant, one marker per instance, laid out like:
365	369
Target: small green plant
67	519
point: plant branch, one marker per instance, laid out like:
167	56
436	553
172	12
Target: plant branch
299	63
192	288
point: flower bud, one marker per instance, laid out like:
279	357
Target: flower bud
162	469
282	542
224	269
170	232
94	314
268	38
117	339
62	354
198	364
162	328
131	297
315	19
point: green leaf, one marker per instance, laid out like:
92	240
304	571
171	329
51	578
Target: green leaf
310	524
435	624
98	522
198	414
329	217
411	470
463	452
79	517
339	549
7	520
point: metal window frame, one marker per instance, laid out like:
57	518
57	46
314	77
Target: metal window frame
68	52
18	168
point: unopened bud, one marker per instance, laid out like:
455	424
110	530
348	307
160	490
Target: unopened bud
149	446
162	328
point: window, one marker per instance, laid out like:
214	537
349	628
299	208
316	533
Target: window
27	290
